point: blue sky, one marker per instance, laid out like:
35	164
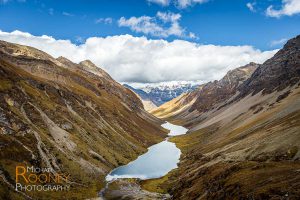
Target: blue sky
153	41
218	22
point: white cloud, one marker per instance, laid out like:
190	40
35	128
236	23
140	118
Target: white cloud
187	3
181	4
138	59
168	16
67	14
107	20
278	42
143	24
289	8
160	2
251	6
164	24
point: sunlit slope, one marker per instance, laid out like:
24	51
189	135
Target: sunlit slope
73	118
188	107
243	143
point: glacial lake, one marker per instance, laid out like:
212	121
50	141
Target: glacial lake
156	162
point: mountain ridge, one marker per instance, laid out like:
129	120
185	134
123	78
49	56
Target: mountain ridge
154	95
206	95
58	114
246	143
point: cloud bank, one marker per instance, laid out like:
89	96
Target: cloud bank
164	24
138	59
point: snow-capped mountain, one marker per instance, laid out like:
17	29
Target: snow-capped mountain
160	93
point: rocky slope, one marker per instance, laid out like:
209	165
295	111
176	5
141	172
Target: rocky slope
144	97
243	141
206	96
72	118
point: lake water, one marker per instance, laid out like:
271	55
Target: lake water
174	129
156	162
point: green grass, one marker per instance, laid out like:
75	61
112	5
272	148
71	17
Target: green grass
158	185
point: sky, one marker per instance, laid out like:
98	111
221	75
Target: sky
154	40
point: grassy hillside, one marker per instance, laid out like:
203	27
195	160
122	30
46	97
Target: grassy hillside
66	117
243	141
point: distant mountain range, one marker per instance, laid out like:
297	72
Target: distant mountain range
160	93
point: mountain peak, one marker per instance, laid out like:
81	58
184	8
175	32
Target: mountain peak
89	64
294	42
277	73
17	50
65	61
91	67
